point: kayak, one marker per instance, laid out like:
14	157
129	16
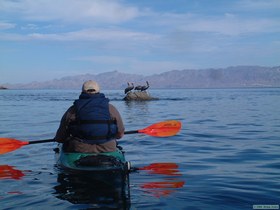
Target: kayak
99	179
94	161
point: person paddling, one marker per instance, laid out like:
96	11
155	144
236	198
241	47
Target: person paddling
91	124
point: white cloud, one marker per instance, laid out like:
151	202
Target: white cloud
11	37
5	25
113	60
111	35
257	4
142	39
97	12
228	24
231	26
30	26
71	10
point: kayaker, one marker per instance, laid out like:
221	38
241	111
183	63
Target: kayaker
91	124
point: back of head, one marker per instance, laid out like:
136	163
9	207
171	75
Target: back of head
90	87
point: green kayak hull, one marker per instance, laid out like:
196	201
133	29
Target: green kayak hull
101	180
94	161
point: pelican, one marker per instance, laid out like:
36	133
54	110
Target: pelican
129	88
138	87
143	88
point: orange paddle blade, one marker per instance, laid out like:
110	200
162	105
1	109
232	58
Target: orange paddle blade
9	145
156	166
163	129
162	168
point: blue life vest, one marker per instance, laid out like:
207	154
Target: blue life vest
93	124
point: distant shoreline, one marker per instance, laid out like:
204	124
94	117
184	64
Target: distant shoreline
230	77
150	90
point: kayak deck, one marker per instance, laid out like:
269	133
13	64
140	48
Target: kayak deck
94	161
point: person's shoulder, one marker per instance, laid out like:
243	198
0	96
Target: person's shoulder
71	110
112	106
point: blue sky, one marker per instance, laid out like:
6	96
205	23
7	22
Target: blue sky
43	39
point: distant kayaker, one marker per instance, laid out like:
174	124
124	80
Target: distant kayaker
92	124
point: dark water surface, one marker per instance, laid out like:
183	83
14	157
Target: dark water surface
227	152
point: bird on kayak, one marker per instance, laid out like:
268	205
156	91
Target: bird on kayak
129	88
143	88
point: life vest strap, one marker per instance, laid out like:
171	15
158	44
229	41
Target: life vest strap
96	140
78	122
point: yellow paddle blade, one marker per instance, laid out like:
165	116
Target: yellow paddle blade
163	129
9	145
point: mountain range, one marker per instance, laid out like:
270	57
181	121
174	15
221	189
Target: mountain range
230	77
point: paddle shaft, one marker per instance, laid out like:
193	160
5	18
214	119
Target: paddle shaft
52	140
161	129
131	132
41	141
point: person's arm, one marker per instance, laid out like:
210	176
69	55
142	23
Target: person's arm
116	115
62	132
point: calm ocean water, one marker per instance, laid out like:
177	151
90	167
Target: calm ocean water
227	151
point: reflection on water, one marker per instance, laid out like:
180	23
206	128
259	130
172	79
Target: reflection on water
111	190
10	172
162	168
163	188
107	189
166	184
